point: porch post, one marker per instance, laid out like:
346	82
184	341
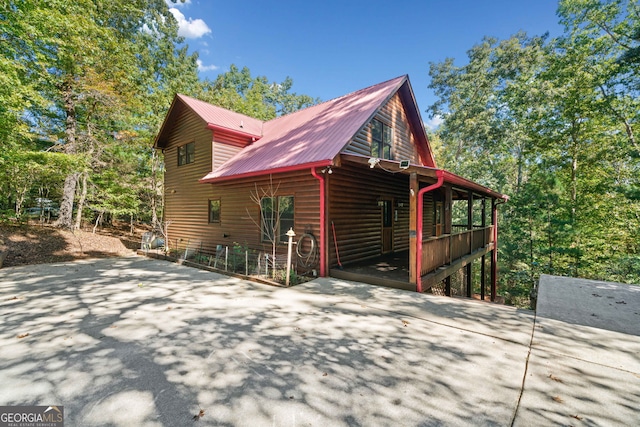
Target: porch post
470	219
448	197
482	277
413	222
470	227
484	221
494	252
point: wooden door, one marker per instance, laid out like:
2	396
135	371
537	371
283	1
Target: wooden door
387	226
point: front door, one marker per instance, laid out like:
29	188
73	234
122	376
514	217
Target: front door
387	226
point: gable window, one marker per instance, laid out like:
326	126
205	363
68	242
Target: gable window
186	153
214	211
381	140
276	218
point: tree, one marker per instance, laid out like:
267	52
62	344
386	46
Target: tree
238	91
88	72
554	122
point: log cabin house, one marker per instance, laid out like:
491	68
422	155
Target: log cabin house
354	174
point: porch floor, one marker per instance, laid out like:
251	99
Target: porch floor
391	270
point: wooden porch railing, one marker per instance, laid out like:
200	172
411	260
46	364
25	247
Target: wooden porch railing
442	250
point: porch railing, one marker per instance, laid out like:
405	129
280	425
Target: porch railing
442	250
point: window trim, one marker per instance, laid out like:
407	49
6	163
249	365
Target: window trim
219	211
386	140
187	153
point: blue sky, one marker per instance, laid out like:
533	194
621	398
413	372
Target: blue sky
334	47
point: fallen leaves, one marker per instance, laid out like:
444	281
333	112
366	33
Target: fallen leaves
11	299
199	415
405	323
23	335
558	399
577	417
556	379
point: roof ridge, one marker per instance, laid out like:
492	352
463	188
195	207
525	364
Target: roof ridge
222	108
405	76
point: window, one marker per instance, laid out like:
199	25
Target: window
276	217
381	140
214	211
186	153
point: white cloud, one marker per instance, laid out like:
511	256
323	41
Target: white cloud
434	123
178	3
202	67
188	27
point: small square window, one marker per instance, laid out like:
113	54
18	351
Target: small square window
214	211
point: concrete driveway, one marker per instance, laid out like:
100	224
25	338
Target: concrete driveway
584	368
134	341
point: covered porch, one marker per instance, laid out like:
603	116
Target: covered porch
451	225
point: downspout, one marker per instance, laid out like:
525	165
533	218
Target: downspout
494	255
421	193
323	234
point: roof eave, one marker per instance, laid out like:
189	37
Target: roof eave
159	141
235	132
211	178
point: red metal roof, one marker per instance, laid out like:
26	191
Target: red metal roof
310	137
223	118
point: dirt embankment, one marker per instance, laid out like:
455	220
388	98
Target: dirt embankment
39	244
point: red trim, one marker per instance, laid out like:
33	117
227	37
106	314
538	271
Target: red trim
440	173
467	184
323	234
261	172
233	131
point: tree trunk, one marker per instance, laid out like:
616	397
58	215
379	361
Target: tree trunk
83	196
98	221
155	193
65	220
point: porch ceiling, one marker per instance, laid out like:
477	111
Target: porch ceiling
425	174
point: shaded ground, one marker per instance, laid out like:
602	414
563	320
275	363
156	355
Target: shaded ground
37	244
134	341
584	368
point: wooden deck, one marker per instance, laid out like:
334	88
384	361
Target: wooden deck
390	270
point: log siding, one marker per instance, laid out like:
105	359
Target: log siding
392	114
354	193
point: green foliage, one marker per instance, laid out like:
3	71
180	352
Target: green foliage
84	87
238	91
554	124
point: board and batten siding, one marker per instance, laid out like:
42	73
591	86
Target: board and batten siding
404	144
